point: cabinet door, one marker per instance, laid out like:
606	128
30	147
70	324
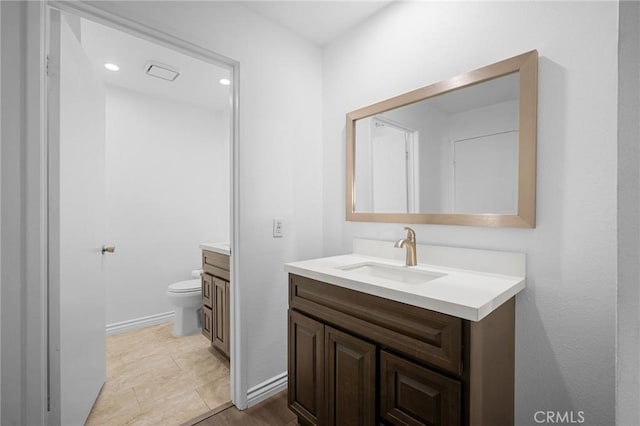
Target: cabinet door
350	367
207	322
413	395
207	293
220	338
227	322
305	364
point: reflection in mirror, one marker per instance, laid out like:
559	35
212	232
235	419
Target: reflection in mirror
459	152
453	153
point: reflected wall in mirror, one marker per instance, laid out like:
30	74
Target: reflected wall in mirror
461	151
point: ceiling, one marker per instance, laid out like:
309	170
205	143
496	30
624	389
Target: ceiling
198	82
320	22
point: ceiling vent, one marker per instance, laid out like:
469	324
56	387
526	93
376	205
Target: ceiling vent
165	72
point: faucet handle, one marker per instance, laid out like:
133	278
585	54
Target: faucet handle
411	234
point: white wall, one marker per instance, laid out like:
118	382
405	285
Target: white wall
167	187
628	342
280	158
496	118
565	326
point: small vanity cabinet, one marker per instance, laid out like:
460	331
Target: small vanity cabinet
360	359
215	299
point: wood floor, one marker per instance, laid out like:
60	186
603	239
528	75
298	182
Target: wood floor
154	378
272	412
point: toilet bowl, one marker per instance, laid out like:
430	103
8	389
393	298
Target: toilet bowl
186	298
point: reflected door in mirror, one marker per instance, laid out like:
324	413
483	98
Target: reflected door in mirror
387	169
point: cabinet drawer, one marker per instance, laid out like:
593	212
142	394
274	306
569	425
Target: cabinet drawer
414	395
207	296
421	334
207	322
215	264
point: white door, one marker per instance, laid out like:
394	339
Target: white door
389	170
77	224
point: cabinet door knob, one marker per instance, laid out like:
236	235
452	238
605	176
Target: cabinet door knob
108	249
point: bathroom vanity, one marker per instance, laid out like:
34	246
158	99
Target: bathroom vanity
215	295
374	342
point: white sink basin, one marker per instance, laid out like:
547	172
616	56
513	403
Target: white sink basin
403	274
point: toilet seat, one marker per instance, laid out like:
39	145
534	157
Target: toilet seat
189	286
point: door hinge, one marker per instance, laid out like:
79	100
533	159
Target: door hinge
46	65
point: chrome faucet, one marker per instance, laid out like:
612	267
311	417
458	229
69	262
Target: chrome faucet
410	244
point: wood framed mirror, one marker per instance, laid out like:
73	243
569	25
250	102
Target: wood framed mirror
458	152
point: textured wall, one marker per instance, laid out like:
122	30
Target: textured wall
628	349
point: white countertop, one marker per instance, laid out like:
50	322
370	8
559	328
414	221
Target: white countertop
222	248
463	293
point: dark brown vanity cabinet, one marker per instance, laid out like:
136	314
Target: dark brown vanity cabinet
215	299
335	378
358	359
411	394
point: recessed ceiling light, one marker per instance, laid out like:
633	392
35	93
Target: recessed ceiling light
225	81
112	67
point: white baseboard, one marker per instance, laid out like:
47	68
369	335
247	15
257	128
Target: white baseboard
266	389
137	323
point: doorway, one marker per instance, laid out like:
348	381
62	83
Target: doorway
394	167
114	181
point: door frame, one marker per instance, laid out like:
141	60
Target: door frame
51	381
412	145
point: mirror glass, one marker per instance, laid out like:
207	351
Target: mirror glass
453	153
458	152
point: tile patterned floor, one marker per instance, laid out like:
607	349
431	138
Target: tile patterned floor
154	378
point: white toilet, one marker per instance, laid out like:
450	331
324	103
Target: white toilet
186	298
